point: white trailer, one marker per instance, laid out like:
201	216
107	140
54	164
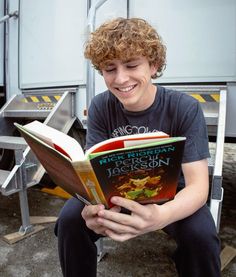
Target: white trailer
43	74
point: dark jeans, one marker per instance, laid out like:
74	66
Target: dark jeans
197	253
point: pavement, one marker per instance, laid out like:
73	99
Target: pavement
148	255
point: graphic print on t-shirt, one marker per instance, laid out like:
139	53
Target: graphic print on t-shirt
129	130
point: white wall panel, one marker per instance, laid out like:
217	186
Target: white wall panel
200	37
52	35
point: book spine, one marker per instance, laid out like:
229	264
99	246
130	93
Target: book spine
85	172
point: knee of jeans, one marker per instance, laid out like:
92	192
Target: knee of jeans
200	237
70	216
68	225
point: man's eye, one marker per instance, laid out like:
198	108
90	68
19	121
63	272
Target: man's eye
109	69
132	65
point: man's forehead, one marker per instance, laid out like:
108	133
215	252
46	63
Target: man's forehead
122	61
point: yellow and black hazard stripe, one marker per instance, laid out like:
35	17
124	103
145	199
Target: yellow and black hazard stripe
42	99
42	102
203	98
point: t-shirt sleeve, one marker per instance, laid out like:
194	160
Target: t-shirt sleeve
192	125
96	123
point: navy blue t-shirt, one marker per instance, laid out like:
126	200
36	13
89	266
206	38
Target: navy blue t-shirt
172	112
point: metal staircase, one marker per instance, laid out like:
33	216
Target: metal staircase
56	109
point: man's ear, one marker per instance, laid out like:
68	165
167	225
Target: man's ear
153	68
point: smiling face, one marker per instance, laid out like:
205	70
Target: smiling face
130	82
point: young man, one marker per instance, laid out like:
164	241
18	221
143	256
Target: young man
129	53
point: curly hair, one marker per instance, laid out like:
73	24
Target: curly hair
125	39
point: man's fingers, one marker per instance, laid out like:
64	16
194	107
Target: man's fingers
130	205
117	227
116	209
91	211
119	237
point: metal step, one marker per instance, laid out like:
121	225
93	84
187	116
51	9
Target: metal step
3	176
35	114
12	143
30	106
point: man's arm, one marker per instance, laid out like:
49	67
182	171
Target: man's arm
194	195
147	218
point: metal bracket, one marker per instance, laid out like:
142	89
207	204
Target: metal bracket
14	14
216	192
24	207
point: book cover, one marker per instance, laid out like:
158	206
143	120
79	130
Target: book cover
147	174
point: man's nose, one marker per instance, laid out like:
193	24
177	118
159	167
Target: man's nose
121	76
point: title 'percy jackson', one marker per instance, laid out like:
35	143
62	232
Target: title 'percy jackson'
131	161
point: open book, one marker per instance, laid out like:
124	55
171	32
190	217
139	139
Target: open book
141	167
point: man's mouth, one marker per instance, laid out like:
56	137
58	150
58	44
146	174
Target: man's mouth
126	89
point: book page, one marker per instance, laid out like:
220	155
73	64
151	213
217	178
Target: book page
125	141
128	143
56	139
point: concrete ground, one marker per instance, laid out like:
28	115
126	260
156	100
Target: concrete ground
148	255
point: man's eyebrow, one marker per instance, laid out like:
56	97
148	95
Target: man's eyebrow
110	63
131	60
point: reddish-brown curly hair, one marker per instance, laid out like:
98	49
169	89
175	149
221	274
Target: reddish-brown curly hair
124	39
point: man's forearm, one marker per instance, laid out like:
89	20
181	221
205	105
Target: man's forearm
186	202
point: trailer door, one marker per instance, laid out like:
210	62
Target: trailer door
51	38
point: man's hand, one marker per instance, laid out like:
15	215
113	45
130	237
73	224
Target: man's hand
143	219
90	215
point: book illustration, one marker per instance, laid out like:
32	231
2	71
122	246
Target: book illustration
141	188
92	187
